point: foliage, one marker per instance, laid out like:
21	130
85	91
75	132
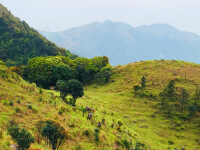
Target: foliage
169	91
143	82
63	88
96	135
45	71
19	42
75	88
54	133
21	136
136	88
120	123
183	99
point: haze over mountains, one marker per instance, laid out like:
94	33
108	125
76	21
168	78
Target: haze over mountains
123	43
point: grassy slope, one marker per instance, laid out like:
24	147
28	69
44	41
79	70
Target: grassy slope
13	88
112	101
117	97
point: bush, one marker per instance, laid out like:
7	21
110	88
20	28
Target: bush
96	135
40	99
17	110
120	123
11	103
21	136
18	101
54	134
29	106
127	144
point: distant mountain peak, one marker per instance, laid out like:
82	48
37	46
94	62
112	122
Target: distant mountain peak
123	43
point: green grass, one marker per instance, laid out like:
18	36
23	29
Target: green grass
111	101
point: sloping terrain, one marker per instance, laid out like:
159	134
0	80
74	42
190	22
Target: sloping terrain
142	120
123	43
19	42
141	116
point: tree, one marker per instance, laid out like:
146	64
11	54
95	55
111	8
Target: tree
120	123
136	88
183	100
192	110
197	97
21	136
169	91
143	82
62	86
61	72
75	88
54	134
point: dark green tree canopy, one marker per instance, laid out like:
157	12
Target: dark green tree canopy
75	88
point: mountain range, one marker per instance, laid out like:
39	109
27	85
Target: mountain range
123	43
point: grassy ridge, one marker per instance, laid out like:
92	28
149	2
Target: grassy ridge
142	121
157	132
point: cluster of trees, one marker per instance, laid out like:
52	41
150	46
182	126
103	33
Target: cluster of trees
19	43
50	131
173	99
46	71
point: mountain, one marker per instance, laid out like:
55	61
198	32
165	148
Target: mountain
19	42
123	43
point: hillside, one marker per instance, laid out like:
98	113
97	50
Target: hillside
19	42
143	121
123	43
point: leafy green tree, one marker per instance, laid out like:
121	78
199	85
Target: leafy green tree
54	134
143	82
197	98
21	136
45	71
105	61
61	72
169	91
62	86
83	69
75	88
104	75
183	99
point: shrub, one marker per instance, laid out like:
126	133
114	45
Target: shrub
21	136
17	110
120	123
29	106
54	134
60	112
96	135
11	103
40	99
127	144
18	101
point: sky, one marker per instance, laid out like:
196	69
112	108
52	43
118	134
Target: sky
58	15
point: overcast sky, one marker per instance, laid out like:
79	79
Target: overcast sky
56	15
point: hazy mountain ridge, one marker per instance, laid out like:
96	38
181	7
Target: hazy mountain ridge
123	43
